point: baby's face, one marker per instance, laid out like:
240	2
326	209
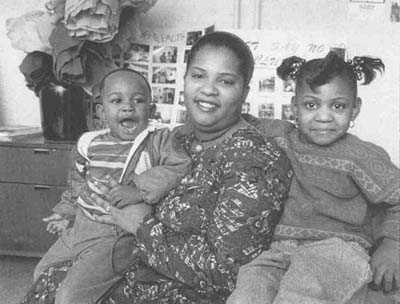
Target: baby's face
125	104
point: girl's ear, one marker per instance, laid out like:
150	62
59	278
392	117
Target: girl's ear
293	106
356	108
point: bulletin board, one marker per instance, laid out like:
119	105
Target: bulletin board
269	96
161	57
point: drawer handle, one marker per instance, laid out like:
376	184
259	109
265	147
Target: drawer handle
41	151
41	187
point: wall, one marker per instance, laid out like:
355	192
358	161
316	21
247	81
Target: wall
379	120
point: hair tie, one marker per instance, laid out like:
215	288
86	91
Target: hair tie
357	66
295	68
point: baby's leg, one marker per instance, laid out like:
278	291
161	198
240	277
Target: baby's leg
93	273
258	282
60	251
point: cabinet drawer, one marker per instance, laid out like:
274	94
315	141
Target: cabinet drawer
34	165
22	230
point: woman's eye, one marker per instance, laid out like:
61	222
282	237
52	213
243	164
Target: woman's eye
197	76
139	100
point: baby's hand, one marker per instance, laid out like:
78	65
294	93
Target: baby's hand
123	195
117	194
385	264
56	223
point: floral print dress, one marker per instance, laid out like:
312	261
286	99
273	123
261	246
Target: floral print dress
220	217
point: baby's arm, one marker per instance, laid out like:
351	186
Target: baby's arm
117	194
56	223
67	206
170	164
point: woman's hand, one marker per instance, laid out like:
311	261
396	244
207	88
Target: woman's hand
128	218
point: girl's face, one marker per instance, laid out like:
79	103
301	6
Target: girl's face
125	105
214	89
324	114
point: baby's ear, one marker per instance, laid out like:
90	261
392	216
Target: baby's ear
100	111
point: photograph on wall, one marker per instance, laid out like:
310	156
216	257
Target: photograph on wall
288	85
165	54
186	55
246	108
164	75
181	99
163	95
395	12
192	37
181	116
341	52
266	84
141	68
266	110
162	114
137	53
287	113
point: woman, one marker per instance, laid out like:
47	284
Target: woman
222	215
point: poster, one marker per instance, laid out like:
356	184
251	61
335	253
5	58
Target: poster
161	57
269	96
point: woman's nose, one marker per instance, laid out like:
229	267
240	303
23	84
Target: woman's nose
209	87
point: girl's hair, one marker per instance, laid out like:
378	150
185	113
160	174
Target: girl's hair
102	82
317	72
231	42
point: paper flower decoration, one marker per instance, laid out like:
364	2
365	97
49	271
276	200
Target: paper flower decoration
31	31
94	20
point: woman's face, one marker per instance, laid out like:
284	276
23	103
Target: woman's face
214	89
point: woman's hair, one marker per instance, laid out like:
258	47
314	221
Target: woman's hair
102	82
231	42
317	72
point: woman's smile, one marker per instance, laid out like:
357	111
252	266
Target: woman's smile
206	106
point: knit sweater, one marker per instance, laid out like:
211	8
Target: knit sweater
349	189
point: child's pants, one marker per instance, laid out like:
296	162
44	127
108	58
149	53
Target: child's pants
330	271
94	268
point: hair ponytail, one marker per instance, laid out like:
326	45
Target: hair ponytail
366	67
290	67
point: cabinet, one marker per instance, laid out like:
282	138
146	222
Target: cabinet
33	174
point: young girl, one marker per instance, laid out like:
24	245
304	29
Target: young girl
340	182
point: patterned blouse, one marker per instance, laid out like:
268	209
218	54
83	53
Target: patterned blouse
220	217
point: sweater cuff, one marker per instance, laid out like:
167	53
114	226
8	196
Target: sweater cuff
66	210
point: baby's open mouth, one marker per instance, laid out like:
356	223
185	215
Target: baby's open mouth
129	125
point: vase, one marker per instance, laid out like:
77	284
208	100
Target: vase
62	112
